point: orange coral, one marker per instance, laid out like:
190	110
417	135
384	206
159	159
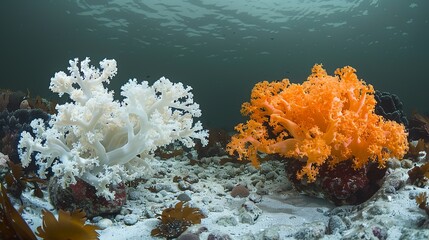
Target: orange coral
326	119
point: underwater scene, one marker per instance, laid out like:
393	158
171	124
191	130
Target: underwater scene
214	120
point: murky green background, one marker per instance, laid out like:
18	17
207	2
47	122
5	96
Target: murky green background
220	47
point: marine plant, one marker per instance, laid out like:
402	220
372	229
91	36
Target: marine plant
417	150
325	120
419	175
175	220
422	201
419	126
17	181
12	225
69	226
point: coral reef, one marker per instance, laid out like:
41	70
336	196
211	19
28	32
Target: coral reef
325	120
12	124
105	141
390	107
324	127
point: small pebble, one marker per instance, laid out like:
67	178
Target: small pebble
271	233
227	221
256	198
134	195
184	197
104	223
130	219
119	217
240	191
188	236
336	224
407	163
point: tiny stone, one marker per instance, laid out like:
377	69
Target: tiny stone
262	191
183	185
393	163
104	223
206	200
271	233
249	212
413	194
227	221
125	211
256	198
163	193
216	208
265	168
240	191
183	197
130	219
336	224
270	176
389	189
119	217
407	163
188	236
134	195
96	219
246	218
229	186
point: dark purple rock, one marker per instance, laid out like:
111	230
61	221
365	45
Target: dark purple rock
342	184
82	196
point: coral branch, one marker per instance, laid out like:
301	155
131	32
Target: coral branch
325	120
104	141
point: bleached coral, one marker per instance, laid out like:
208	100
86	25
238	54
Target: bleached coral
3	160
105	141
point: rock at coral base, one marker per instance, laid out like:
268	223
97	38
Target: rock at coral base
82	196
342	184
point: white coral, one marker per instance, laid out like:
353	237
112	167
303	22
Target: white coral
3	160
104	141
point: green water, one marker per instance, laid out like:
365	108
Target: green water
221	48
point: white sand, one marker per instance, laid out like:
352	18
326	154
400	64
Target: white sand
281	212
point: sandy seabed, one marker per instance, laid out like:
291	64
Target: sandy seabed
273	210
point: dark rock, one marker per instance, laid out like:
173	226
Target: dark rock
240	191
336	224
183	197
390	107
81	195
342	184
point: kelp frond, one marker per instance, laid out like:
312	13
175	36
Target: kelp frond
69	226
12	225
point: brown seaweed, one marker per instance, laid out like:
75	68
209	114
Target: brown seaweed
69	226
421	200
12	225
419	175
17	181
175	220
